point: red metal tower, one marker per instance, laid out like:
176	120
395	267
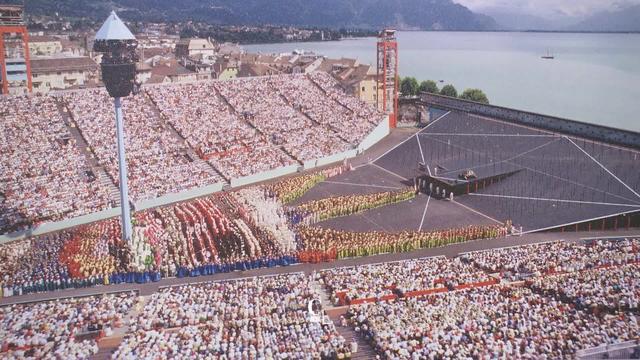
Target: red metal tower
15	65
388	74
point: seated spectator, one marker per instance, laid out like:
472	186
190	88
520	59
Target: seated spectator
378	280
263	317
488	322
47	329
43	174
548	258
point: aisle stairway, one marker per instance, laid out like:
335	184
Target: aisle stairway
107	345
365	351
107	182
190	151
92	162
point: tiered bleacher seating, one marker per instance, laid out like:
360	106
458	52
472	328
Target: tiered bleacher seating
158	160
43	175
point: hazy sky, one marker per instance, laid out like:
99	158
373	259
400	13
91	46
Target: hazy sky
549	8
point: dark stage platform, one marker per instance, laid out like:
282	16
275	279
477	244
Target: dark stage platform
554	180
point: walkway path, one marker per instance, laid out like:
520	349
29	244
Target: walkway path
109	344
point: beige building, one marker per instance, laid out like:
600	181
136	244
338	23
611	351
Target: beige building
361	82
356	79
44	46
62	73
172	72
226	68
191	47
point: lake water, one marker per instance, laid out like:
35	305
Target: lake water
594	78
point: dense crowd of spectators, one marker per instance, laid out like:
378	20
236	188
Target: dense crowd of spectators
333	89
379	280
240	127
280	123
219	134
54	329
329	115
356	127
560	256
203	118
490	322
276	119
158	161
43	175
577	296
604	289
262	317
553	314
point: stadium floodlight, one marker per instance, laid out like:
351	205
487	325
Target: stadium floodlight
118	46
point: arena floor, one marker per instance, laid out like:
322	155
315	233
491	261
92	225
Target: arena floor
561	180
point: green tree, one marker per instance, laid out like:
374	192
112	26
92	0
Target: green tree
409	86
449	90
475	95
429	86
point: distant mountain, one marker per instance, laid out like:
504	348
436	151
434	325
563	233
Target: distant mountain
514	19
402	14
508	20
626	19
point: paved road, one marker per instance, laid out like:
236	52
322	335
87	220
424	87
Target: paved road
450	251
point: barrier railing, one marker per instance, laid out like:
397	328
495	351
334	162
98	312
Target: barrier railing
606	349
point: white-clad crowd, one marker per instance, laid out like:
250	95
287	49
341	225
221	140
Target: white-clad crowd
50	329
259	209
274	119
43	175
202	117
157	159
490	322
259	318
378	280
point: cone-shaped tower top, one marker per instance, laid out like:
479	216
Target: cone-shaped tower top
114	29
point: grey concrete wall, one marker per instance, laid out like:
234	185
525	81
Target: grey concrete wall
60	225
551	123
378	133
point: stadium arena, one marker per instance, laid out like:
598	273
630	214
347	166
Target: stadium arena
280	218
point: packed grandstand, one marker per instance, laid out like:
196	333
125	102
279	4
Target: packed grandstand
258	271
179	137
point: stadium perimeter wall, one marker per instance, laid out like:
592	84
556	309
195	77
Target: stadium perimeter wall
60	225
177	197
550	123
263	176
376	135
310	164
